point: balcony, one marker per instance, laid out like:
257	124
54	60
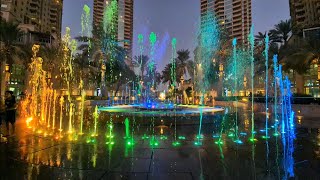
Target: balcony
34	4
237	28
300	17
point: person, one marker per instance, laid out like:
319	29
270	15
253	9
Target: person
10	105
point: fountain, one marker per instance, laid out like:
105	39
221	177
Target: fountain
234	43
141	50
208	43
109	29
266	54
173	86
36	84
54	109
83	96
95	116
86	25
251	41
61	102
275	72
128	137
144	118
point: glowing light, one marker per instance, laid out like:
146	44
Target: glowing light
96	116
199	136
29	119
176	143
243	133
238	141
162	96
110	135
145	136
153	141
127	127
276	134
94	135
162	137
61	111
129	142
253	140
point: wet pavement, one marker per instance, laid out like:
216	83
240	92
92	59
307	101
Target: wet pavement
32	156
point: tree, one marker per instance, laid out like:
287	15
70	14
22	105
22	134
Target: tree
102	50
184	63
281	32
300	56
10	50
125	75
166	74
141	62
260	37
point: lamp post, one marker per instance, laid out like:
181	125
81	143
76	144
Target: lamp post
7	76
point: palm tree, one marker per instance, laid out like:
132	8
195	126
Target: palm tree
166	74
281	32
99	50
141	62
299	57
52	59
260	37
10	50
184	63
127	75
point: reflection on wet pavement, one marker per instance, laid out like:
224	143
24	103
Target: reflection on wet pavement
133	156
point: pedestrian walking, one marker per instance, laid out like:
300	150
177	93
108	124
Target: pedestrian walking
10	111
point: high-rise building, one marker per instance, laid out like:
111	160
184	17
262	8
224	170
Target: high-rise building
98	8
35	15
124	22
305	13
233	15
40	21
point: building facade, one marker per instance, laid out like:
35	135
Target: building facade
233	15
124	22
305	14
40	23
38	15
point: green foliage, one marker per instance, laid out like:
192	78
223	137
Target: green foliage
11	51
281	32
299	56
243	70
141	63
183	64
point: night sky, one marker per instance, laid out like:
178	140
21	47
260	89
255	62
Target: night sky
175	18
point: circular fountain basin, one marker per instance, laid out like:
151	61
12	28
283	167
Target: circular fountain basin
161	110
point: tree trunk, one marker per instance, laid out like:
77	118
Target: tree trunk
3	80
299	83
118	87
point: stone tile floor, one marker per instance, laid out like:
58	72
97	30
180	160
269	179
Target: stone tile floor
29	156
